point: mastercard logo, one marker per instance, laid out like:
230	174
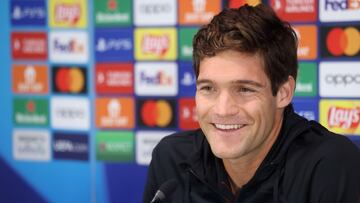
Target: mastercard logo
157	113
70	80
343	41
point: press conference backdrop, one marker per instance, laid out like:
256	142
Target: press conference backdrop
88	88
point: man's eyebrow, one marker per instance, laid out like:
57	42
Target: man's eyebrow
246	82
201	81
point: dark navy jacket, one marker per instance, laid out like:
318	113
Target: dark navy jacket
306	164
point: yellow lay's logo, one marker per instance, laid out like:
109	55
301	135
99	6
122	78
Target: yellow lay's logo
155	44
68	13
341	116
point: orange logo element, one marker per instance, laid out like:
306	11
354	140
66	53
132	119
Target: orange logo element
115	112
198	11
32	79
307	36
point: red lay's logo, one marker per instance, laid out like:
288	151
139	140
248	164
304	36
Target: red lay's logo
67	13
344	117
155	44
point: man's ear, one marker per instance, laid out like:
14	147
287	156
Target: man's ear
285	93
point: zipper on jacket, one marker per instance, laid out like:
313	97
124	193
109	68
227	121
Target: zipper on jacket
208	185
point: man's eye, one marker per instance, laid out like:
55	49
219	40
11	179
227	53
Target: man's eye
245	90
206	88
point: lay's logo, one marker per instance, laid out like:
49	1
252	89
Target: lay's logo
66	13
155	44
341	116
158	45
339	10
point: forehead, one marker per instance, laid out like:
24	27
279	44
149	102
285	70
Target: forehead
232	65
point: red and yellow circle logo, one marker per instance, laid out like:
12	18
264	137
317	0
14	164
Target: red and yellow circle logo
343	41
70	80
156	113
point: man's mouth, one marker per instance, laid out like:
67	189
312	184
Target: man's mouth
228	126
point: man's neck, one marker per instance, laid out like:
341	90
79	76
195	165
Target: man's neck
241	170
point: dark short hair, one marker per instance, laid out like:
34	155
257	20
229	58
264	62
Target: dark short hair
250	30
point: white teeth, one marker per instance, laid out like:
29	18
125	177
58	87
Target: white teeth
228	127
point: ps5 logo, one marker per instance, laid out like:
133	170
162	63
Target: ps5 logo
104	45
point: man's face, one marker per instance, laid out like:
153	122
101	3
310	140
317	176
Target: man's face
235	106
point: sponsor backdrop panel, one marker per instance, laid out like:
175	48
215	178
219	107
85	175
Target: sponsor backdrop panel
88	88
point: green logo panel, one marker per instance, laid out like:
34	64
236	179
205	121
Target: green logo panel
31	111
185	39
115	146
112	12
306	80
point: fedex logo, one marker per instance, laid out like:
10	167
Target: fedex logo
160	78
342	4
339	10
156	79
69	46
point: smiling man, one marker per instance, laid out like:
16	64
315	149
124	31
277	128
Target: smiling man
251	145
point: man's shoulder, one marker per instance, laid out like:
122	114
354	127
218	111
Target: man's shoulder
333	142
320	143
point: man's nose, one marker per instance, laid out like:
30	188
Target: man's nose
226	104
